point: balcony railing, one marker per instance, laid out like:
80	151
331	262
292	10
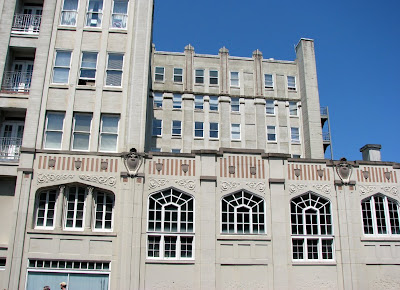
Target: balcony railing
324	111
326	137
10	148
16	82
26	23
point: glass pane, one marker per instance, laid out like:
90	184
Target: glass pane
82	123
95	6
81	141
115	61
63	58
110	124
70	4
55	121
53	140
61	75
120	6
108	143
114	78
89	59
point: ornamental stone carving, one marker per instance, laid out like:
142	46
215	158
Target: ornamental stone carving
104	180
225	185
324	188
188	184
46	178
154	183
260	186
296	188
366	189
390	189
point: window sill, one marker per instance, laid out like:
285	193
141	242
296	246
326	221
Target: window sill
159	82
178	83
236	140
198	138
272	142
118	30
71	28
269	88
181	262
86	88
24	35
214	112
176	109
295	142
71	233
176	137
199	85
113	89
58	86
235	112
294	116
249	237
93	29
380	239
314	263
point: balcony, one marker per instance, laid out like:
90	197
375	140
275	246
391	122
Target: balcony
10	149
26	24
324	111
16	82
326	137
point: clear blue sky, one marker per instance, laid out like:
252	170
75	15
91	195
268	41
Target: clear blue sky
357	45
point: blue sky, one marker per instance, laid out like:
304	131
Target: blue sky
356	44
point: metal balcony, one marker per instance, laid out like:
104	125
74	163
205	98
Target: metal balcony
16	82
326	137
26	23
10	149
324	111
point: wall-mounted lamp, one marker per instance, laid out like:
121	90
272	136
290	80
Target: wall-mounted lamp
104	165
297	172
78	164
159	166
253	170
52	163
320	173
388	174
231	169
185	168
365	174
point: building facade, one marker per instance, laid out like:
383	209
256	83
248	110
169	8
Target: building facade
127	168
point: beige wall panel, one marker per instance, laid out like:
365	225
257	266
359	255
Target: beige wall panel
111	102
100	247
243	277
65	39
170	276
91	41
313	277
380	277
84	101
69	246
58	99
43	245
116	42
6	215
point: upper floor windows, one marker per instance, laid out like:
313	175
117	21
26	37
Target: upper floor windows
94	13
294	135
177	101
291	82
214	130
271	133
109	133
46	207
157	100
270	107
176	128
178	75
199	76
312	230
87	75
159	74
235	79
81	131
69	12
242	213
293	109
53	130
114	69
75	208
235	131
213	103
380	215
103	212
62	66
119	15
199	102
198	129
235	104
157	127
213	77
269	81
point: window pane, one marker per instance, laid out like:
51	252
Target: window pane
82	123
53	140
114	78
115	61
110	124
63	58
55	121
89	59
108	143
81	141
60	75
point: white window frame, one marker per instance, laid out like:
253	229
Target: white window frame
199	76
82	68
119	70
214	138
156	127
71	12
235	103
89	133
176	101
46	209
174	126
59	67
96	19
103	133
123	16
198	102
199	130
214	103
155	149
158	100
178	77
159	76
292	135
214	78
235	79
75	210
46	130
176	150
269	83
235	129
293	109
103	212
268	106
291	83
270	127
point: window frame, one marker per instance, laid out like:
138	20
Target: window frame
233	125
274	134
199	79
293	109
175	127
102	133
155	127
214	103
295	140
81	67
46	209
291	84
103	211
99	15
233	79
269	107
235	102
89	133
121	70
268	84
214	80
55	67
213	130
123	16
64	10
158	74
199	102
46	130
198	130
176	102
177	75
158	100
67	194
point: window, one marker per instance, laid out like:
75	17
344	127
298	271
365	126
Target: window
3	263
54	130
198	129
235	105
312	230
176	128
178	75
61	67
213	77
198	102
213	103
294	135
291	81
69	12
271	134
81	131
45	211
270	107
119	14
109	133
234	79
114	69
157	127
155	149
94	13
176	150
380	215
214	130
103	211
199	76
88	69
75	208
293	108
269	81
242	213
170	225
177	101
157	100
159	74
235	131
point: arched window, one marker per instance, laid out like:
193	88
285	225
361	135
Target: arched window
170	225
243	213
312	231
380	215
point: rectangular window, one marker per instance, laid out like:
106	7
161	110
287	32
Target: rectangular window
159	74
177	101
103	211
235	131
114	69
269	81
293	108
155	149
176	150
157	127
291	81
176	128
46	207
213	77
178	75
54	130
153	246
199	76
81	131
235	105
271	134
294	135
2	263
69	13
214	130
94	13
270	107
87	74
75	208
109	133
198	129
119	15
62	66
213	103
234	79
157	100
198	102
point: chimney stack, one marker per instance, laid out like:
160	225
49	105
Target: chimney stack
371	152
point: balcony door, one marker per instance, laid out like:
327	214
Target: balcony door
21	76
11	140
32	18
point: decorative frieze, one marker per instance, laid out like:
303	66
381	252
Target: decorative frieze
366	189
46	178
157	182
225	185
259	186
390	189
104	180
324	188
297	188
188	184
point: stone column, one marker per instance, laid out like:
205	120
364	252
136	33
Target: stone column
89	208
188	79
223	75
60	208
